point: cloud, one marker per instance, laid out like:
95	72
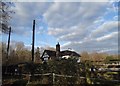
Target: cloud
67	14
56	31
91	45
105	28
112	51
60	0
65	18
82	26
109	36
116	18
59	14
41	30
26	12
82	0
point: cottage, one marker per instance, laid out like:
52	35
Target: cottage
48	54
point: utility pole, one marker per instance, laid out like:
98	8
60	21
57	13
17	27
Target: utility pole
8	50
8	42
33	39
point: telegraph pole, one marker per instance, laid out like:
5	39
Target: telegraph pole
8	42
33	39
8	50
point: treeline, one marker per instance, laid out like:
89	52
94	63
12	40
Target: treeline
20	53
98	57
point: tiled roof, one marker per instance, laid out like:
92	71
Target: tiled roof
50	53
62	53
70	53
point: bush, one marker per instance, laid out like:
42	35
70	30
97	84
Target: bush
20	83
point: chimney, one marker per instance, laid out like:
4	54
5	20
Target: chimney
58	50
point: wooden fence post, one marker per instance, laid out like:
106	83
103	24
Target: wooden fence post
53	74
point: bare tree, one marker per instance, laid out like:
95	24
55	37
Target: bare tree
3	52
37	55
5	16
19	46
85	56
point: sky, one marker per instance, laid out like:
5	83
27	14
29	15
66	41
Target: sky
79	26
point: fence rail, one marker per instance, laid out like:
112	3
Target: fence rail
53	76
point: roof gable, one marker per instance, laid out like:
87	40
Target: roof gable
48	53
